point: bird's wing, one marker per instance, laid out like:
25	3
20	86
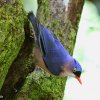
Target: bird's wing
47	40
44	37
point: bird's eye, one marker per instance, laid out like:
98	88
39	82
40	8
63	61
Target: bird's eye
74	70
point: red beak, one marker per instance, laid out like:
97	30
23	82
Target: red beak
78	78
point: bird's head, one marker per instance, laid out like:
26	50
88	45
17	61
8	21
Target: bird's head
72	69
76	70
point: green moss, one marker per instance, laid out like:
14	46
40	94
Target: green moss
11	35
44	7
37	87
72	40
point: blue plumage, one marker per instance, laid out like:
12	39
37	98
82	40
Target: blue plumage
54	54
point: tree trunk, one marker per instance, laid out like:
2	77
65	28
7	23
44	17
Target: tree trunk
11	34
21	82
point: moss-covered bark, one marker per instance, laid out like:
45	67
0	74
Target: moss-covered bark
11	35
21	83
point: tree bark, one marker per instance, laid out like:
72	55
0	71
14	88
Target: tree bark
11	34
23	84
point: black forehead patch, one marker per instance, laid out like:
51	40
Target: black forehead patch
77	73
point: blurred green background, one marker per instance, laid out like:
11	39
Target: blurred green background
87	51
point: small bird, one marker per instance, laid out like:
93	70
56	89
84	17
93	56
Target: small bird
51	53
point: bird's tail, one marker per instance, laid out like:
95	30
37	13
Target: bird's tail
34	23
